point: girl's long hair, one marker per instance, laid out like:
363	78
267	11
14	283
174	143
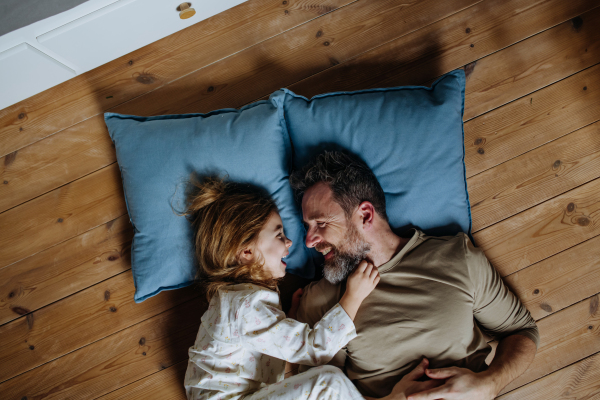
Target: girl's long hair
227	217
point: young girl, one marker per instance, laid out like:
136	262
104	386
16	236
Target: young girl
245	338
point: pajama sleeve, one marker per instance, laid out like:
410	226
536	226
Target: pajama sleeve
497	310
265	328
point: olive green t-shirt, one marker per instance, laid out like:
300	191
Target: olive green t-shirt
436	298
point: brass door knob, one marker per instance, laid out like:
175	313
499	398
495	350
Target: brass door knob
185	11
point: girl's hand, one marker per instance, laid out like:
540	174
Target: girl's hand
362	281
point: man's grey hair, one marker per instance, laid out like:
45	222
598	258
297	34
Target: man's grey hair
349	178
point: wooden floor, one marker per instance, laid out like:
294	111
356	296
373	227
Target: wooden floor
68	325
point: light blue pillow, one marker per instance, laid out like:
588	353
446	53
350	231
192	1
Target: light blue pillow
156	155
411	137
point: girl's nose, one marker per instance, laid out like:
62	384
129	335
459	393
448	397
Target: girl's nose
288	243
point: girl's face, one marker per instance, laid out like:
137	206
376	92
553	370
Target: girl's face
273	245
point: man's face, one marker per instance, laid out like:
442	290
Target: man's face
331	233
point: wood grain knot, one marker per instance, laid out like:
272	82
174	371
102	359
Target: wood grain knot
10	158
546	307
22	115
556	164
144	353
24	398
480	150
130	62
333	62
5	182
286	12
113	309
585	88
590	327
11	295
211	88
284	2
142	341
472	45
20	129
583	221
577	23
536	291
20	310
478	141
32	347
59	220
145	79
571	207
468	30
326	43
106	295
319	33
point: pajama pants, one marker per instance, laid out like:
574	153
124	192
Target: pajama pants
324	382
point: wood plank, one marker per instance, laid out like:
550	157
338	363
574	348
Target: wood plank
54	161
293	55
559	281
543	230
531	121
152	66
534	177
76	321
422	56
85	147
533	64
165	385
62	270
115	361
61	214
566	337
578	381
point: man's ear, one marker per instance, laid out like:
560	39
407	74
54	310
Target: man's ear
366	212
246	255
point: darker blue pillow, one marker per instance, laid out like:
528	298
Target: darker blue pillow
156	155
411	137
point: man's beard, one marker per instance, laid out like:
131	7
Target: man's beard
345	258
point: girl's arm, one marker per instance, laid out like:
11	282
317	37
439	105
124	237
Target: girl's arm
266	329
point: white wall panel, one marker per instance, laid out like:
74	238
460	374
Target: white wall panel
123	27
25	71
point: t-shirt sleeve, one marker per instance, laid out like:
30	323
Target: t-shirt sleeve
266	329
497	310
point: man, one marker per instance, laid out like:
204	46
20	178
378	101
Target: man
436	297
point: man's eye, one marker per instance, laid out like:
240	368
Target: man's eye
321	224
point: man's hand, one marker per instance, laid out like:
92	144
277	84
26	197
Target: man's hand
409	384
461	383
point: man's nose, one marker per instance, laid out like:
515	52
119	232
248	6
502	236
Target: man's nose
312	238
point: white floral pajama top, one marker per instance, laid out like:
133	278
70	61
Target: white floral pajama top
245	339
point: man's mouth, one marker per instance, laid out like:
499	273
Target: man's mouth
327	253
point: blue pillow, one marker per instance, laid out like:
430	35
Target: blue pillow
156	155
411	137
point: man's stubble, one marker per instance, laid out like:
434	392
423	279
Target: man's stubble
347	256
